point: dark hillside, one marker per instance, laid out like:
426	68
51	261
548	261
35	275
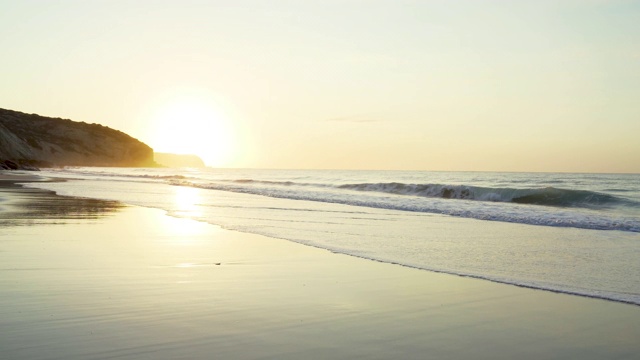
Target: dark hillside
30	139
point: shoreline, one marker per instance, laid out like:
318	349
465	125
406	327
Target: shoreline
133	282
31	206
14	178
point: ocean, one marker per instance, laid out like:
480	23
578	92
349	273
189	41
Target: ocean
570	233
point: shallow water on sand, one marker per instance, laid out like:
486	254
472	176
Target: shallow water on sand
141	285
581	240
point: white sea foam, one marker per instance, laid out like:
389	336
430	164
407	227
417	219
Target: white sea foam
397	218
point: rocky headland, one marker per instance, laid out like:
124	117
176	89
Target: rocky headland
28	141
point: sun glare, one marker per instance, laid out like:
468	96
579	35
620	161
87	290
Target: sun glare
187	200
187	204
190	126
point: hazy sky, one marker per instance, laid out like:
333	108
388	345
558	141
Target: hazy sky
416	85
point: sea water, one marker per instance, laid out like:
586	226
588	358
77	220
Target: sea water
570	233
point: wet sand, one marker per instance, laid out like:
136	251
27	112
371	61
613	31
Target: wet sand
90	279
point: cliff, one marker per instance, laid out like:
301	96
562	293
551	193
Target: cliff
178	160
30	139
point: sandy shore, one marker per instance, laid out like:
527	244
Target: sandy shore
13	176
90	279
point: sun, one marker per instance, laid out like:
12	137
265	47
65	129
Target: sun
194	126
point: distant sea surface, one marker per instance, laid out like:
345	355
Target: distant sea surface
570	233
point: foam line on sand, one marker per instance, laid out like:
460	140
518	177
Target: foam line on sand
134	283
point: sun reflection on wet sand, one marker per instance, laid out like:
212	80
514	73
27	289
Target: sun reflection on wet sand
140	284
187	201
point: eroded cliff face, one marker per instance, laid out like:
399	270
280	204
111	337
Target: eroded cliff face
30	139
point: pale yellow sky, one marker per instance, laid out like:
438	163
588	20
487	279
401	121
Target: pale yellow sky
416	85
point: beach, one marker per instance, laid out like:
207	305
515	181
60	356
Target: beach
320	180
114	281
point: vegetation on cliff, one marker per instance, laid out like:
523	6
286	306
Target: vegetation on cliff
32	140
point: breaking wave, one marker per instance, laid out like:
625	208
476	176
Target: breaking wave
572	208
529	201
548	196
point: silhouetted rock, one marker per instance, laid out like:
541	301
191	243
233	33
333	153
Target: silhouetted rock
178	160
11	165
30	140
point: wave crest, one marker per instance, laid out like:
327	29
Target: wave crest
548	196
